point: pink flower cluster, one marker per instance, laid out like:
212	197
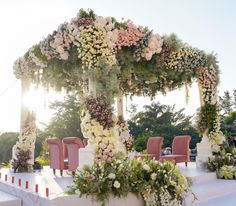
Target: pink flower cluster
100	110
62	42
105	151
208	82
129	36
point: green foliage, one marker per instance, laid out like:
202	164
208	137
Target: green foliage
140	142
106	80
86	14
225	156
62	74
206	117
226	103
66	119
43	161
7	141
161	120
136	176
226	172
20	164
173	42
228	106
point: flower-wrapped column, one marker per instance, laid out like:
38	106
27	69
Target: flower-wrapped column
208	117
23	150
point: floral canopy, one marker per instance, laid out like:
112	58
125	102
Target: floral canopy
101	58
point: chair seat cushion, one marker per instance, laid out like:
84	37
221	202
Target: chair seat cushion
172	157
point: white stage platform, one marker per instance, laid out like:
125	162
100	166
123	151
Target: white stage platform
205	186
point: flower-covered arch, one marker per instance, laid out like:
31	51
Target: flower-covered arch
99	59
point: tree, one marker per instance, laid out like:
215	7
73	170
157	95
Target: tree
7	140
234	96
66	119
226	103
161	120
228	126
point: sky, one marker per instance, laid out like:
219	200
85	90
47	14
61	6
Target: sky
206	24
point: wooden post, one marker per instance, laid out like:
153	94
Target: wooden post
120	108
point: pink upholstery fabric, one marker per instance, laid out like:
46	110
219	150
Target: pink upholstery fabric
85	141
154	145
56	154
180	149
73	144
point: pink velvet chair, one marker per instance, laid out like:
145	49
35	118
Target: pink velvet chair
57	160
154	145
73	144
180	150
85	141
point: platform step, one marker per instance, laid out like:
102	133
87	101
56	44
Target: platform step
9	200
206	191
226	200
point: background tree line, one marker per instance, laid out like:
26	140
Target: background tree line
154	120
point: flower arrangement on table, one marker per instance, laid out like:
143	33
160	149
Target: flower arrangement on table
158	183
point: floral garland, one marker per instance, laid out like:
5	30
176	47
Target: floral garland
209	117
158	183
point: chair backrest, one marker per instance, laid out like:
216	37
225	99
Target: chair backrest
73	144
56	153
154	145
180	145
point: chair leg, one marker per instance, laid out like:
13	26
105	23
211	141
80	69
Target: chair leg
54	171
61	172
186	164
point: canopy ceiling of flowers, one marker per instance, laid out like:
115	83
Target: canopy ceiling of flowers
120	58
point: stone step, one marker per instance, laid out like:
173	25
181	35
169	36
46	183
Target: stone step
9	200
206	191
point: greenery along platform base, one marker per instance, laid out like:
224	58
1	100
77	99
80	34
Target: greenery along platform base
158	183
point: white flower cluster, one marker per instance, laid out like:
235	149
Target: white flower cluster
27	137
155	43
21	68
166	199
124	135
150	197
62	42
94	45
208	83
101	139
116	184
